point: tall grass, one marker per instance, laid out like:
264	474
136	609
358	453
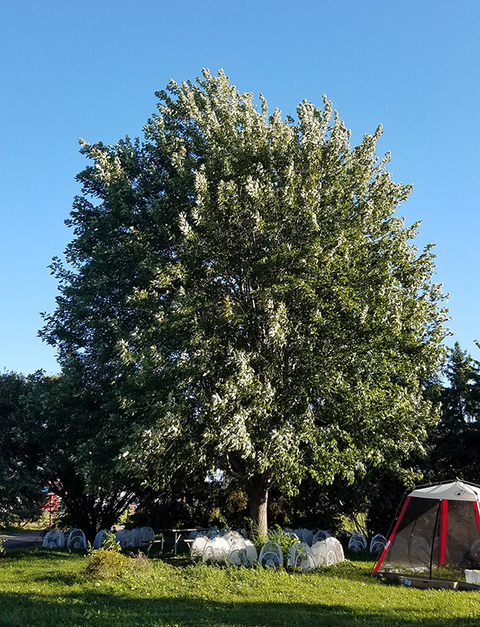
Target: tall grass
42	588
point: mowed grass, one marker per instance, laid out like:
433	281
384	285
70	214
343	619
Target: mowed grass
40	588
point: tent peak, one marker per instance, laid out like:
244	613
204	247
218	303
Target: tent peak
452	491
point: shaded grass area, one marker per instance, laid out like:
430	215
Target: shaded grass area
40	589
16	529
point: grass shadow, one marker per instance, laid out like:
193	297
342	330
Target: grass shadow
104	610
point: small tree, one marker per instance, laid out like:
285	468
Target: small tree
78	449
242	282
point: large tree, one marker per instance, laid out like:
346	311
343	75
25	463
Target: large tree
242	282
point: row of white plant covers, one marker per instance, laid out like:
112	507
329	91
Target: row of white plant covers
55	539
140	537
358	542
310	550
233	547
134	538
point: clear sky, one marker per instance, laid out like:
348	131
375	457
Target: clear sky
89	69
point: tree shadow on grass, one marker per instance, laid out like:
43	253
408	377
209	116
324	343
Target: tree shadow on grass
40	553
102	610
66	579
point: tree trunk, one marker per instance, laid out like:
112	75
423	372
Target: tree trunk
258	494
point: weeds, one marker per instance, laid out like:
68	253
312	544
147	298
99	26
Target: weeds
284	540
110	542
106	564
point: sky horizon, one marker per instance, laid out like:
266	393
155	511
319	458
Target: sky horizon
91	70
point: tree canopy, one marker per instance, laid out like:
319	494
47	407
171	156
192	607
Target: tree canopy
242	287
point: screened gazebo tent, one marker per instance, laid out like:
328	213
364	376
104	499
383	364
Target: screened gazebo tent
438	530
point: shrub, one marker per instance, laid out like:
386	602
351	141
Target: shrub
106	564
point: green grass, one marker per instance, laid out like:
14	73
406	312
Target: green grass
39	525
44	589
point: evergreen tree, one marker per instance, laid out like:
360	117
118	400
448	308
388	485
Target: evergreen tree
455	441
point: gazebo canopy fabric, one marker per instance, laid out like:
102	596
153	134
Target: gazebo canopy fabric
454	491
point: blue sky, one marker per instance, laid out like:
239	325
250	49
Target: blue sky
90	69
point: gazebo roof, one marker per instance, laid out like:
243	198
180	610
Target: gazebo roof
453	491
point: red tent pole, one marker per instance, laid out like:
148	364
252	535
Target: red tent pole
407	501
477	514
442	549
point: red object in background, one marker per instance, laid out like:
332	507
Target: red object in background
51	506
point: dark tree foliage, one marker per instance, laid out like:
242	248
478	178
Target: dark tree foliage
214	502
454	443
369	504
21	473
79	447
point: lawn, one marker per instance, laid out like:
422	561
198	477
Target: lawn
42	588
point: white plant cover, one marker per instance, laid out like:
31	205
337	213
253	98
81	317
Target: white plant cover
301	556
99	538
357	542
321	554
231	536
436	543
378	543
148	536
123	538
299	534
134	537
252	554
242	552
76	539
198	545
321	535
54	539
291	534
337	547
212	532
328	552
420	551
475	551
216	550
308	537
271	555
139	536
304	535
238	553
195	534
400	546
